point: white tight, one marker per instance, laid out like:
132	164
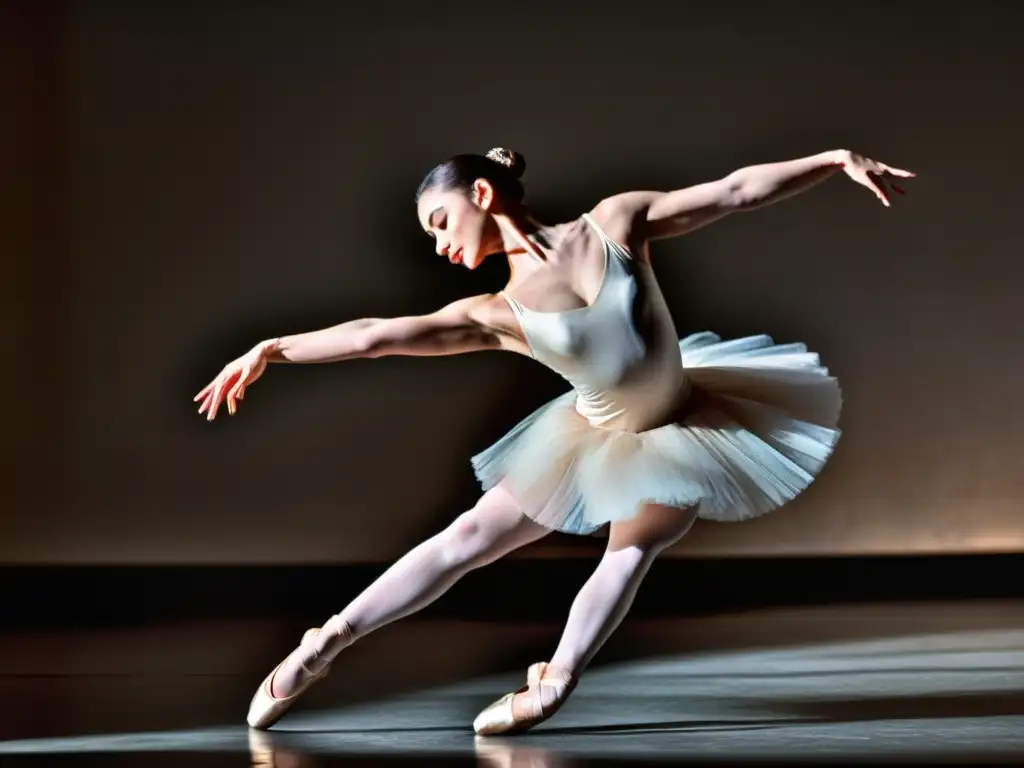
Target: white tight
490	530
605	598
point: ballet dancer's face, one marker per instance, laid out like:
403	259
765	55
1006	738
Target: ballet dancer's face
461	222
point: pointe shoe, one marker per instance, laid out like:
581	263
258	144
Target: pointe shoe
499	717
265	709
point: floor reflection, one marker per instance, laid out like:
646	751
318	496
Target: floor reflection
268	750
498	753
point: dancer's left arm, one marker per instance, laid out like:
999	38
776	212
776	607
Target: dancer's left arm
660	215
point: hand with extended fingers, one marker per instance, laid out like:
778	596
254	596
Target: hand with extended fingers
230	384
873	175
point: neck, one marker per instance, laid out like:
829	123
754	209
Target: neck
522	240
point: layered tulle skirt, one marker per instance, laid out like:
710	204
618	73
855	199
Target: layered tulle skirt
753	428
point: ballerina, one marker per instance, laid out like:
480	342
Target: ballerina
653	432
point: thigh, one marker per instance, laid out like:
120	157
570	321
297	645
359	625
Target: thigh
655	527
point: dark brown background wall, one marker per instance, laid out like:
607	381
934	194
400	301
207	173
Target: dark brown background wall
183	183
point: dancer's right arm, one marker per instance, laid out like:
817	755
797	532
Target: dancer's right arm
462	326
454	329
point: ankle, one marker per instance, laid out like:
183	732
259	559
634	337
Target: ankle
557	673
338	630
327	642
548	686
560	674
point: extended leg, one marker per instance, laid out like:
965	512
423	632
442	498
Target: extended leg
494	527
598	609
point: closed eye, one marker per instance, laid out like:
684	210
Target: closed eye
438	219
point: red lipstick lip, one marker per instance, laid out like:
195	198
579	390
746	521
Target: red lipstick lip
456	258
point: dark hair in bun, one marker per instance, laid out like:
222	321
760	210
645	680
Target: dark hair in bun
501	167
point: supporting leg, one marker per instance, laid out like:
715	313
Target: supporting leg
598	610
607	595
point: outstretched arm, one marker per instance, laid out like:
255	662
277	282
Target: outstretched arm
451	330
459	327
668	214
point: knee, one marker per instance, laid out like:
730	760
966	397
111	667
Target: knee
629	560
653	531
464	543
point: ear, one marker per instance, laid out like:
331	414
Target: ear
482	194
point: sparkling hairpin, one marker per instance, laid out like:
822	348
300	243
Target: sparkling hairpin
504	156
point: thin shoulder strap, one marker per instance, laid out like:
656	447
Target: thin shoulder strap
616	248
517	308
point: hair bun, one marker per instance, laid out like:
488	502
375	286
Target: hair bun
515	162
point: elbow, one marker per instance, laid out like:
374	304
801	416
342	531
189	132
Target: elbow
366	348
368	341
739	192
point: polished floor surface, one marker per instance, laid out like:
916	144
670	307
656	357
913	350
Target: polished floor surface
928	681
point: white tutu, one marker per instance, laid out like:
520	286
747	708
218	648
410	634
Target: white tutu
755	426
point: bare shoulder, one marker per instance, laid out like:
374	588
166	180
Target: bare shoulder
623	216
477	310
487	311
472	307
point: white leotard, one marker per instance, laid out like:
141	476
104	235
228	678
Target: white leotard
620	353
